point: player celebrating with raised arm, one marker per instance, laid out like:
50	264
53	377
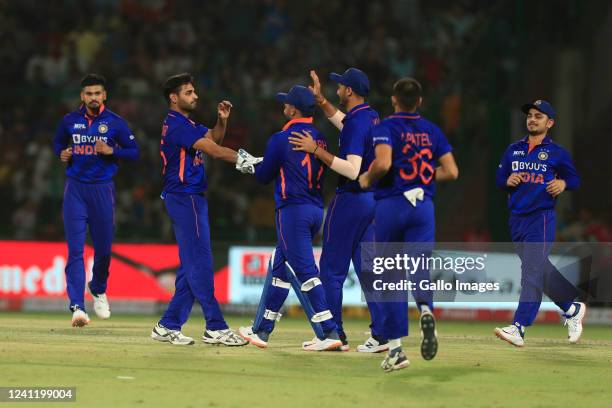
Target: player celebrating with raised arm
183	145
298	178
348	222
408	150
534	171
90	141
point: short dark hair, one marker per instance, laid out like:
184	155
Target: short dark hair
174	83
408	91
93	79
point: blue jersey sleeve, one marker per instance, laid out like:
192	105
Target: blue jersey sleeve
503	171
567	171
274	158
126	148
442	145
381	134
61	139
185	136
354	136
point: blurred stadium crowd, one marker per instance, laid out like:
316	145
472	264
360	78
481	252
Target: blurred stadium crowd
466	54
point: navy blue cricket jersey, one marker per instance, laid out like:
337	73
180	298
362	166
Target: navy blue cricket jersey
298	176
417	145
80	131
356	139
537	166
183	166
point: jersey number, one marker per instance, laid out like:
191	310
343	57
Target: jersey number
420	165
308	164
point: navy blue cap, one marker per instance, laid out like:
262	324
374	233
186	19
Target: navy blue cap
300	97
542	106
354	78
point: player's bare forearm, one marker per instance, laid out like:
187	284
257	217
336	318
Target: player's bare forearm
325	156
378	170
209	147
217	134
382	162
448	169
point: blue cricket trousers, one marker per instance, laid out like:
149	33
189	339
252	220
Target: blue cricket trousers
296	225
533	235
397	221
195	277
348	223
93	205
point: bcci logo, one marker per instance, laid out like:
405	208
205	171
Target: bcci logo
103	128
542	156
538	102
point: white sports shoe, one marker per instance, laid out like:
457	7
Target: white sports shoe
79	318
226	337
372	345
395	362
163	334
100	305
327	344
512	334
247	334
574	323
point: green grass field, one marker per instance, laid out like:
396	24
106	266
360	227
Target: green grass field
472	368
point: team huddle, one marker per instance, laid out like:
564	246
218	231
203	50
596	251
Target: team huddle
388	170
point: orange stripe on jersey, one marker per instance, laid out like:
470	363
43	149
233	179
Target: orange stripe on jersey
280	228
282	174
182	166
300	120
163	156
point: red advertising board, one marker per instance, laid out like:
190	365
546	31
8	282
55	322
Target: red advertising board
36	269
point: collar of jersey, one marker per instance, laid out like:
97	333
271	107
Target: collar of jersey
405	115
83	111
357	108
177	114
294	121
546	140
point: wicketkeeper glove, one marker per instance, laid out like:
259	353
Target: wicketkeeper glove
246	162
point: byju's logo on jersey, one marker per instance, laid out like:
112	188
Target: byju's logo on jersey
518	153
103	128
79	126
528	166
542	156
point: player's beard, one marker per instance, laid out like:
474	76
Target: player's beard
94	107
342	100
188	107
535	131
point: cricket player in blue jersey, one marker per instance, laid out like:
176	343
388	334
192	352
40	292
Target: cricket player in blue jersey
298	178
90	141
350	215
534	171
182	149
411	154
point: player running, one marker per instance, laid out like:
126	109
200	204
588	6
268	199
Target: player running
350	213
90	141
183	145
298	178
534	171
411	155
